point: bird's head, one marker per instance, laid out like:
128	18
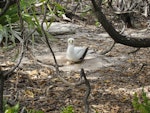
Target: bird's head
71	41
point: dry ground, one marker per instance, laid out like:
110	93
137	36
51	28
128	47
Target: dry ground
36	86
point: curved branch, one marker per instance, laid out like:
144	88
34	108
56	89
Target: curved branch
118	38
9	72
109	49
58	74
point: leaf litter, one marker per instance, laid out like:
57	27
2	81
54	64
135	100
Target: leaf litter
36	86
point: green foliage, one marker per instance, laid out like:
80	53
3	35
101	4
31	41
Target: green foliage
11	13
68	109
13	109
8	25
58	9
34	111
16	108
97	23
143	104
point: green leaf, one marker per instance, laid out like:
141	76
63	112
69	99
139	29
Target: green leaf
15	108
29	19
58	6
142	109
144	97
68	109
135	102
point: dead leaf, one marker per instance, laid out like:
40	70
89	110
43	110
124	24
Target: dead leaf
76	75
115	109
28	93
107	81
10	63
129	60
43	74
34	72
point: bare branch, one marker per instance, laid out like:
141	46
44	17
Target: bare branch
118	38
134	51
109	49
58	74
5	74
88	90
9	72
45	35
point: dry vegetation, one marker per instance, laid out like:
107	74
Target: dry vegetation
35	84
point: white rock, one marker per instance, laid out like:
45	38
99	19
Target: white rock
59	28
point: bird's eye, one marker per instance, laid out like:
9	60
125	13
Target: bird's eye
71	41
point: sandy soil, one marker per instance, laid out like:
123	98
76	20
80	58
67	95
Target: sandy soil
36	86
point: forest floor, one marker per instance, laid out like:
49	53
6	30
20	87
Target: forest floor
36	86
114	77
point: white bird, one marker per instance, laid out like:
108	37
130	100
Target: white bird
75	54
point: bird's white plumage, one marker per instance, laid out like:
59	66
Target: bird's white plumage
75	53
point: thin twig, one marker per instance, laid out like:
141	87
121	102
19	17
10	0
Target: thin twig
58	74
45	64
123	29
140	69
88	90
134	51
46	37
51	50
109	49
23	110
6	73
9	72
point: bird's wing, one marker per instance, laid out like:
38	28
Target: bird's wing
80	51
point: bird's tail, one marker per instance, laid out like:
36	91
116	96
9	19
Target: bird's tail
84	54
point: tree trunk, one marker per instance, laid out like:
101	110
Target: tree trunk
125	40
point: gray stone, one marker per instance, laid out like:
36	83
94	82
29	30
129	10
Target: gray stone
59	28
